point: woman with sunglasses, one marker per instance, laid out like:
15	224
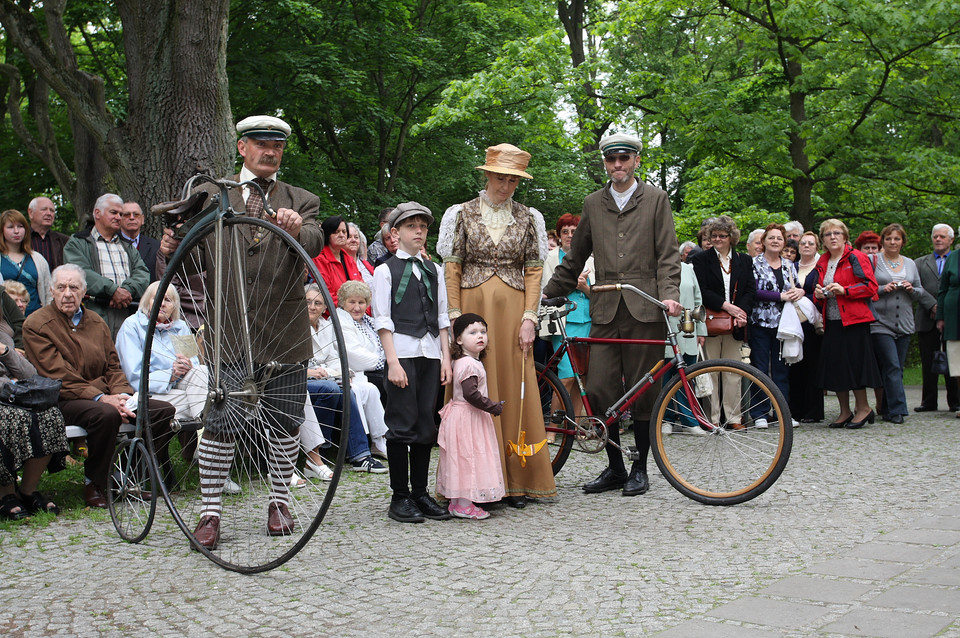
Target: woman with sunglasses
726	284
845	287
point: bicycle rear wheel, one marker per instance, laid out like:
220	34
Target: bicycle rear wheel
237	276
730	461
132	497
555	406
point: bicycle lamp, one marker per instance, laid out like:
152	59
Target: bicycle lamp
689	316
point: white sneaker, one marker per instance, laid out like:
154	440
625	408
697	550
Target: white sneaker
666	428
760	424
795	423
230	487
696	431
322	472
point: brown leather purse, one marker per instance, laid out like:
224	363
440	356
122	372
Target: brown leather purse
720	322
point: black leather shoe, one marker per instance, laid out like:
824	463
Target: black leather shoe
429	508
405	511
608	480
895	418
856	425
637	483
516	502
923	408
955	408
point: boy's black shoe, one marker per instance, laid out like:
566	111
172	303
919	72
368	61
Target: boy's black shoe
404	511
430	508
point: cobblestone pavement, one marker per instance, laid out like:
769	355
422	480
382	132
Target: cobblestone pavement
861	526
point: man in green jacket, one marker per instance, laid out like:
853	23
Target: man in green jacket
116	274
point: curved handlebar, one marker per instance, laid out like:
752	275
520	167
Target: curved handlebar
612	287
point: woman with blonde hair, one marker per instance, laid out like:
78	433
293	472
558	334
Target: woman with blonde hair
176	375
845	286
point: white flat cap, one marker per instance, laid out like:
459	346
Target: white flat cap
263	127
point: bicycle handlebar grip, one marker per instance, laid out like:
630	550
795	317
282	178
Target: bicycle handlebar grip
604	287
554	301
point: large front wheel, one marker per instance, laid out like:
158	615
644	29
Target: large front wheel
712	456
255	415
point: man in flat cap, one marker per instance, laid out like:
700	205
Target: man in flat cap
261	145
628	227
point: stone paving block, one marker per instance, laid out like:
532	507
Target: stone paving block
920	598
953	561
922	536
858	568
822	589
895	552
701	628
939	522
935	576
887	624
764	611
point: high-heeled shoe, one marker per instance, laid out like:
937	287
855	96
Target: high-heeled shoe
840	424
855	425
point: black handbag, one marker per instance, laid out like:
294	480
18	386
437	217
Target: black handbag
939	364
32	393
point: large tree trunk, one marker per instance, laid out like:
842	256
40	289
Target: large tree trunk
179	119
178	113
802	209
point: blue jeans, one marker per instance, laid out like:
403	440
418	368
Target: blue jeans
765	356
327	399
891	353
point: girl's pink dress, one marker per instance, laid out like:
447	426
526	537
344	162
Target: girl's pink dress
469	456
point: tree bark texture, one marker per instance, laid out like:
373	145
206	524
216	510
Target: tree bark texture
178	112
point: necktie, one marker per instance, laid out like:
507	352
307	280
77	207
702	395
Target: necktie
405	278
254	201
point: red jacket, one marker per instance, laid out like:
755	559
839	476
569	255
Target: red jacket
855	273
331	269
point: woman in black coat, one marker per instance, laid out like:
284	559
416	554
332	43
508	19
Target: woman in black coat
727	284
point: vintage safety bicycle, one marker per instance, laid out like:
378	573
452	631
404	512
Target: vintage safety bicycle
717	462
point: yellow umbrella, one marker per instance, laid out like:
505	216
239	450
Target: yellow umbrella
521	448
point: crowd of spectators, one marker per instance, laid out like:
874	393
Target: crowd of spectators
857	302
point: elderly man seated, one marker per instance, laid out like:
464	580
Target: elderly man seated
64	341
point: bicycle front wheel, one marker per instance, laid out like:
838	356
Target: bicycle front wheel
242	285
730	460
557	409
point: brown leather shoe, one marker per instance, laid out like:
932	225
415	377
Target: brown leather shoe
94	497
208	532
279	521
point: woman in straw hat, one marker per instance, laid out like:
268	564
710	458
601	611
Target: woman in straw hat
493	250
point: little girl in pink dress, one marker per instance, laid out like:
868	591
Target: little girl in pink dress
469	470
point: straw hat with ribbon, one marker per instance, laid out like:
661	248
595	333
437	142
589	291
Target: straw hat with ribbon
506	159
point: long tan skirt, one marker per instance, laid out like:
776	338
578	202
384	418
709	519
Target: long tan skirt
502	308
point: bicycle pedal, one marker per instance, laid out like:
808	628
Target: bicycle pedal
632	453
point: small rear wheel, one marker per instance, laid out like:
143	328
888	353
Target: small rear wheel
556	408
717	458
132	497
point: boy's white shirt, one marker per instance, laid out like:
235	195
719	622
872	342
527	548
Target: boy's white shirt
406	346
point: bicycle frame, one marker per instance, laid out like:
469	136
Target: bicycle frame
616	411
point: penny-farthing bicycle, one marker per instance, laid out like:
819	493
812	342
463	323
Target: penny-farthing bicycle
235	275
